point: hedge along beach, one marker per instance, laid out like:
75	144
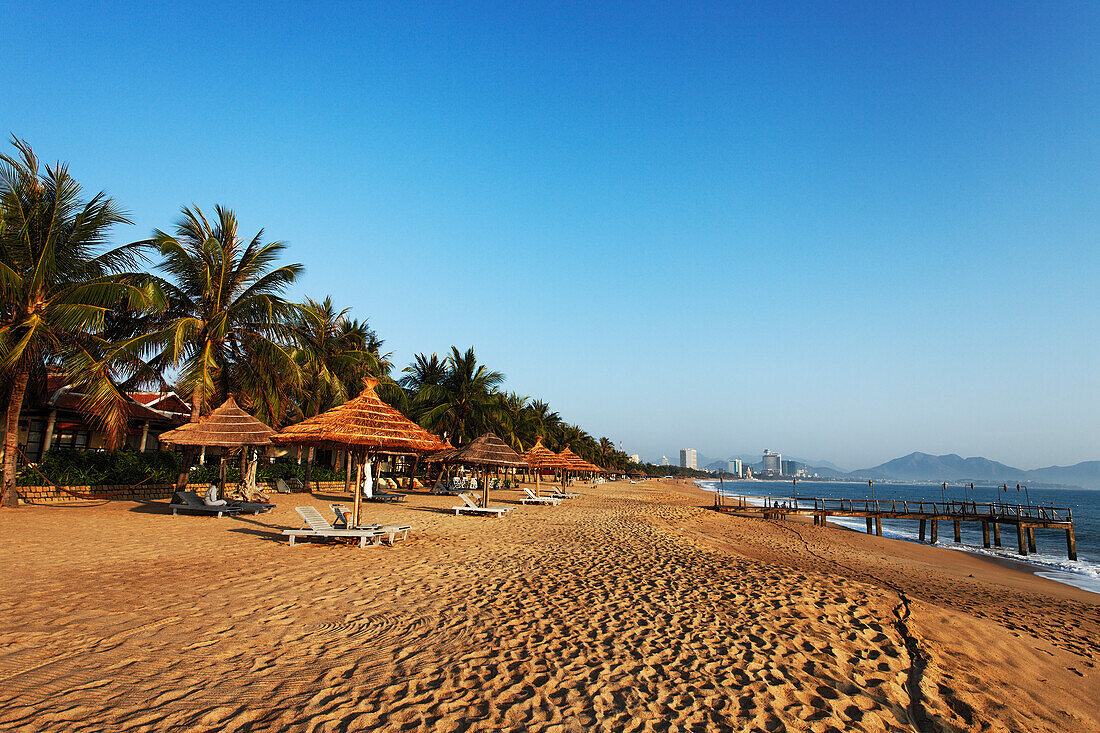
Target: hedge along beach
632	607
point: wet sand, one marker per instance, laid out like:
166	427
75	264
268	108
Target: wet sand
634	607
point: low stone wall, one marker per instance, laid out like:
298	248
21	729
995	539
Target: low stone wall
54	495
145	492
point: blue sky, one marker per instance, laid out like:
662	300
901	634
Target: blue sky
843	231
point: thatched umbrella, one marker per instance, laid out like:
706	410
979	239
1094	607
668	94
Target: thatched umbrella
573	462
540	457
226	427
365	424
486	451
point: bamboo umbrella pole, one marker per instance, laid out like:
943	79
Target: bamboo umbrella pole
309	468
358	489
221	476
347	471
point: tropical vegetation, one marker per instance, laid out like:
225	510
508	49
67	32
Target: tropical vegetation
205	311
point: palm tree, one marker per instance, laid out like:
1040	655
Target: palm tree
463	405
516	425
425	371
226	325
546	420
58	286
607	449
334	353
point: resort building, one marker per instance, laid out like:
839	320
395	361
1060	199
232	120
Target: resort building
56	419
734	466
688	458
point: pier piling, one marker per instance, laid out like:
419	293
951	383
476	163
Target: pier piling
1026	519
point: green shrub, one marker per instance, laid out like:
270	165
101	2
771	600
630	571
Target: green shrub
127	467
91	468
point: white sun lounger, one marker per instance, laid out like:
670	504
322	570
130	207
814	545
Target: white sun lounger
469	507
558	493
319	527
343	516
530	498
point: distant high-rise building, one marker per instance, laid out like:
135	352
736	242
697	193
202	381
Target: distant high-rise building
635	458
735	466
773	463
791	468
687	458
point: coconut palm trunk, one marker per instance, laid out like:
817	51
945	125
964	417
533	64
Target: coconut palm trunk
11	436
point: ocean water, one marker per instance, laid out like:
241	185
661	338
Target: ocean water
1049	560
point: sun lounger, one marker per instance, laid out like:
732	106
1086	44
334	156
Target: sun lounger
530	498
558	493
281	486
391	531
319	527
243	507
469	507
383	497
189	501
253	507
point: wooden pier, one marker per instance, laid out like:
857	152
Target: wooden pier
992	516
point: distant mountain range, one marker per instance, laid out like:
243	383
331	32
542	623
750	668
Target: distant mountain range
951	467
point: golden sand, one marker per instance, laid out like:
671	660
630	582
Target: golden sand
633	607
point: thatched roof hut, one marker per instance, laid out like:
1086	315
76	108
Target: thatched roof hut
488	450
540	457
364	422
228	427
573	462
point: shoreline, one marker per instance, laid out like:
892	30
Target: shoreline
632	607
1049	571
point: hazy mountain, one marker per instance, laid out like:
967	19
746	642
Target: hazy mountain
952	467
1085	474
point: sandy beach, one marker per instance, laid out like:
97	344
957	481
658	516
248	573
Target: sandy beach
634	607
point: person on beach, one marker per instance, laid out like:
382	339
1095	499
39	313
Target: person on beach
368	481
211	497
